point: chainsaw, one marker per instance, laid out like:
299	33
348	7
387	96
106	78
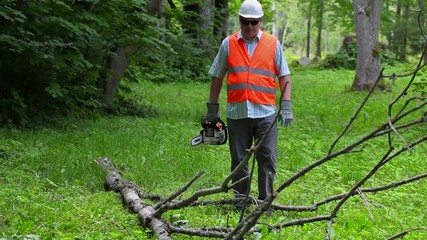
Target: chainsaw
213	133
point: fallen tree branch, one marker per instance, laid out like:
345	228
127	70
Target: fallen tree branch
130	196
310	208
404	233
214	232
151	216
365	202
162	207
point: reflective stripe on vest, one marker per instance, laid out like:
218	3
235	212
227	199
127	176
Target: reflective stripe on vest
253	78
252	70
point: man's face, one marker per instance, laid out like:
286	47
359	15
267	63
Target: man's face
250	27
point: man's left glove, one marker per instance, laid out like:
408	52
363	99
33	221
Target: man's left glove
212	114
286	116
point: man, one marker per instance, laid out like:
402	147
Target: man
252	59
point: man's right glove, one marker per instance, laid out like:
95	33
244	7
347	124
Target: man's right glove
286	116
213	112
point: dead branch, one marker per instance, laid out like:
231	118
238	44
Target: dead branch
342	195
214	232
386	158
302	221
246	224
404	233
347	126
130	196
162	207
151	215
315	205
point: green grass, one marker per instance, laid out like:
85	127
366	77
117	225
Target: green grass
52	188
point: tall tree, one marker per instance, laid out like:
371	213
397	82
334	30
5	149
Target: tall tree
221	19
404	37
198	23
118	64
280	22
422	20
367	21
206	24
309	18
319	26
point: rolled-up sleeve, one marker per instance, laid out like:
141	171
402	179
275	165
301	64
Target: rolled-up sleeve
280	62
219	65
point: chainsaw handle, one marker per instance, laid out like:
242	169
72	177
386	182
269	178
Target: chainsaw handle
224	128
210	124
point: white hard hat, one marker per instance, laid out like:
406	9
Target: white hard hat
251	9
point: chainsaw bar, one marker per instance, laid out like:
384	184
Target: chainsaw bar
196	140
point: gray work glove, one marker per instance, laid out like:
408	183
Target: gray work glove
286	116
213	112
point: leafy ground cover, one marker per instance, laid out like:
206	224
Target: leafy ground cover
51	187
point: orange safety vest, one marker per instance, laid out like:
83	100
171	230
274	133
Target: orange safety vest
253	78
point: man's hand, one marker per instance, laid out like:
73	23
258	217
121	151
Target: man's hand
212	114
286	116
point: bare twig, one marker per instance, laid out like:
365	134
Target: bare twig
161	207
316	205
302	221
248	191
404	233
386	158
420	24
365	202
353	118
214	232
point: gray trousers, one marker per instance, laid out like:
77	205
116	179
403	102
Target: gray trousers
242	135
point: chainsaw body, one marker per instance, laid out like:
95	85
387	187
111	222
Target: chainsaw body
213	133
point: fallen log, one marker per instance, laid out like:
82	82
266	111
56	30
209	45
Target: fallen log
130	195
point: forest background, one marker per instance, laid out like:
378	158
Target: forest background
68	57
64	63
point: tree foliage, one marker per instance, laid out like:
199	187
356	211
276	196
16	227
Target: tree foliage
54	53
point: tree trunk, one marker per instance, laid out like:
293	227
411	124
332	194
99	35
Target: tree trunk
422	22
281	30
155	6
206	25
221	18
405	23
198	24
319	24
388	34
117	66
309	16
307	51
397	30
367	20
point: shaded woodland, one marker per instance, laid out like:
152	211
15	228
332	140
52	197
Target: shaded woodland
68	58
